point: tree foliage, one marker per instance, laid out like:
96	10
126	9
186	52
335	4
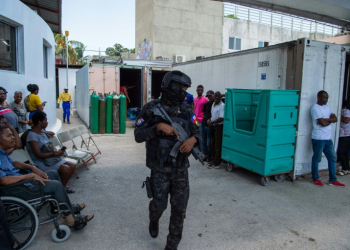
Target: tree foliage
75	49
117	49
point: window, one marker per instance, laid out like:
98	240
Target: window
7	47
238	44
231	43
262	44
234	43
45	60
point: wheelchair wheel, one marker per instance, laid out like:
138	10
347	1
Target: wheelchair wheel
61	236
22	220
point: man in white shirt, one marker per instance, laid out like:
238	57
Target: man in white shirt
322	118
216	125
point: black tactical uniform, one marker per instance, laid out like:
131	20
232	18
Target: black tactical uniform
167	176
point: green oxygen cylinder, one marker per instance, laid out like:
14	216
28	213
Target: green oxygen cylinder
102	117
109	113
122	114
116	114
94	106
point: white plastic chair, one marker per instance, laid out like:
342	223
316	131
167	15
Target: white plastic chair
21	156
87	140
64	137
75	133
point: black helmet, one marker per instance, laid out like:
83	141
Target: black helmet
176	76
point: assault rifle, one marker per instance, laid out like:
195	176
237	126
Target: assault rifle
159	111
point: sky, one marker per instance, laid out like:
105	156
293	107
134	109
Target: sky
99	23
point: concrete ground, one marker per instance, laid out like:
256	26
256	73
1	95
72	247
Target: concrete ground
227	210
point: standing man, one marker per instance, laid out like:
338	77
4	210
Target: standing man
199	102
322	119
66	101
168	176
216	124
205	129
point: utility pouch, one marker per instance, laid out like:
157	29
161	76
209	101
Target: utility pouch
163	151
147	184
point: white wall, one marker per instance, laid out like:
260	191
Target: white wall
251	33
62	73
83	99
32	33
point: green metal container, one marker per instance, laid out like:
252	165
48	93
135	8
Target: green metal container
122	114
102	117
94	110
116	114
109	113
259	131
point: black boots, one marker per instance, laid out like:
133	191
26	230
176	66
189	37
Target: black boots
154	228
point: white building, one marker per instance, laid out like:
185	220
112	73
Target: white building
27	55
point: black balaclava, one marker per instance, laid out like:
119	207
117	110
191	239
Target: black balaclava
174	94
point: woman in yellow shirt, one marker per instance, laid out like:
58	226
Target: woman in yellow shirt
35	104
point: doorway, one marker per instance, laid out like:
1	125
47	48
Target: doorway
132	79
157	78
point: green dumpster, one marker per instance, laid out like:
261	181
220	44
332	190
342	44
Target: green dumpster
259	131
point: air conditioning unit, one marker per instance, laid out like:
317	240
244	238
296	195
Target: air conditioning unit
180	59
200	57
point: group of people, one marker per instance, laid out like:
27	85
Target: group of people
16	111
50	170
209	112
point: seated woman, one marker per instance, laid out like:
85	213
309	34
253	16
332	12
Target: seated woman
10	174
36	138
18	108
6	111
18	142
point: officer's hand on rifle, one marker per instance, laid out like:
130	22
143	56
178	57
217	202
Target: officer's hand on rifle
167	129
188	145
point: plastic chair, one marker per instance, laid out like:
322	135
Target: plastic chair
75	133
86	141
22	156
64	137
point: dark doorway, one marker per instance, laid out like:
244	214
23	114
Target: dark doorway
157	78
132	78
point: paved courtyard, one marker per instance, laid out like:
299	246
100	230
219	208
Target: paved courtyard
227	210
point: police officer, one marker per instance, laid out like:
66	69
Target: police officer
168	176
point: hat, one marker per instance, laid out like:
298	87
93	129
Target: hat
209	92
65	88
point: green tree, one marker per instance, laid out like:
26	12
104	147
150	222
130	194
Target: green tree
75	49
132	50
116	50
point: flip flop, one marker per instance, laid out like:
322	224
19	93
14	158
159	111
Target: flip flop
69	190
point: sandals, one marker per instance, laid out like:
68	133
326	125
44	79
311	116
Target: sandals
81	221
78	207
343	172
69	190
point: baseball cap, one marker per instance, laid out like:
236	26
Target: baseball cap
209	92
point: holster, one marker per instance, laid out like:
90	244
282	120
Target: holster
147	183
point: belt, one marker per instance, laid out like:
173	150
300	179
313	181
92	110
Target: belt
66	101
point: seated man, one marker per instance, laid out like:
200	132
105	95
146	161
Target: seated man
10	174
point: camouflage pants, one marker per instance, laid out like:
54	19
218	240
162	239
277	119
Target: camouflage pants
177	185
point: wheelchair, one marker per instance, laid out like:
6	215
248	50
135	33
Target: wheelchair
22	207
